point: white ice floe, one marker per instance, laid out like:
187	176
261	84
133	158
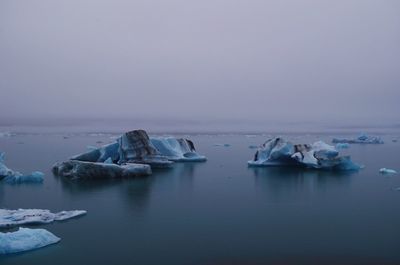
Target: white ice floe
362	139
279	152
387	171
14	177
10	218
25	239
177	149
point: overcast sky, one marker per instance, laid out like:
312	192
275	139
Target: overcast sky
294	61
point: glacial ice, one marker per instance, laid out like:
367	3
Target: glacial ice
342	145
177	149
136	147
25	239
14	177
10	218
279	152
387	171
131	155
75	169
100	154
362	139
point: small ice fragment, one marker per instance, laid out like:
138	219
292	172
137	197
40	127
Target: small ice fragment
9	218
224	145
253	146
387	171
342	145
26	239
362	139
14	177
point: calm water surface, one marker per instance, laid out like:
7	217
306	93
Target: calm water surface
218	212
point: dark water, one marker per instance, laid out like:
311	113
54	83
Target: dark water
218	212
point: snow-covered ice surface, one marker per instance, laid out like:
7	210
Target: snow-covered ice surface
177	149
14	177
362	139
387	171
26	239
10	218
279	152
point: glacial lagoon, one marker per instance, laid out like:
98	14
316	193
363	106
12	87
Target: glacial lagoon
216	212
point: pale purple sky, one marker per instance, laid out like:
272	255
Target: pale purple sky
292	61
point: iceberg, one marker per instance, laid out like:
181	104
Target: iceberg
10	218
75	169
14	177
133	154
319	155
387	171
177	149
362	139
25	239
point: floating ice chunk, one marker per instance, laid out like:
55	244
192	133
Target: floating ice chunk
387	171
342	145
362	139
25	239
279	152
10	218
6	134
177	149
253	146
80	169
14	177
224	145
136	147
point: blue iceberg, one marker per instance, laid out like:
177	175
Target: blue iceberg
26	239
9	218
14	177
319	155
133	154
362	139
177	149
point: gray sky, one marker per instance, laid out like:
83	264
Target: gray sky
291	61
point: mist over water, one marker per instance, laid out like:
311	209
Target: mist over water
213	65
